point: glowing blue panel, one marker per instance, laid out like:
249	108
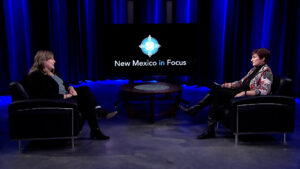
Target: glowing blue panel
114	13
152	11
59	36
186	11
156	11
267	23
119	11
18	37
218	28
90	34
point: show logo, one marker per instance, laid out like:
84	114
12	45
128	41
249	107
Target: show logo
149	46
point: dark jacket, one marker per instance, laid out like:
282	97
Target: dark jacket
43	86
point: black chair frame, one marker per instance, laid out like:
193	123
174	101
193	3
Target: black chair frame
41	119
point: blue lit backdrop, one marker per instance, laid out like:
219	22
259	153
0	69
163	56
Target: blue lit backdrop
228	31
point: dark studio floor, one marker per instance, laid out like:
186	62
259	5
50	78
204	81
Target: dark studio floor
136	143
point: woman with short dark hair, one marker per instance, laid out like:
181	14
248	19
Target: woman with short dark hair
258	81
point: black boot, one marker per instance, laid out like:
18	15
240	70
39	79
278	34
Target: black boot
95	130
98	135
193	110
102	113
209	132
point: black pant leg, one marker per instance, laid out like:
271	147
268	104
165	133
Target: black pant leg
220	98
86	98
86	105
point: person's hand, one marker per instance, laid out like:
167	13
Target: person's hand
72	91
241	94
66	96
227	85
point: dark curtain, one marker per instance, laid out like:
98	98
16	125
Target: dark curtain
69	28
228	30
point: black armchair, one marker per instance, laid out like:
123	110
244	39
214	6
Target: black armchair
32	119
274	113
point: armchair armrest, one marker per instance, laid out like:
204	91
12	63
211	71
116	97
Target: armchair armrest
36	103
263	99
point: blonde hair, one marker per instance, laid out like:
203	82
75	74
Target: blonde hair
40	57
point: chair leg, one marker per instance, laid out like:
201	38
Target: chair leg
236	139
20	145
73	144
284	138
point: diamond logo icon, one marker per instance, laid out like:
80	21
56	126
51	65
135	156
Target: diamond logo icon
149	46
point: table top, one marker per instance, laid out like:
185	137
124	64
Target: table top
151	88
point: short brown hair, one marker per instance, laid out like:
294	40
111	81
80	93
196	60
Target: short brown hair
262	53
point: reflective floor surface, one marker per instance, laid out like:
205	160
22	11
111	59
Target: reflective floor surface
136	143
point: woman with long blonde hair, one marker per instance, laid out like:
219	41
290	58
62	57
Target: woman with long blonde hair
45	83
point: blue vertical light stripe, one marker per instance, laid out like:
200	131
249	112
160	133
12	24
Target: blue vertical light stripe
223	39
90	33
27	34
114	9
54	22
217	38
122	12
256	26
152	11
59	36
11	44
18	37
180	11
156	17
58	14
188	11
282	41
88	37
268	9
118	11
79	27
79	67
234	60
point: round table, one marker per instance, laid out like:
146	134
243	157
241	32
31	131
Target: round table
149	91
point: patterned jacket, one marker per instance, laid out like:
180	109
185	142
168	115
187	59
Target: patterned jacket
261	83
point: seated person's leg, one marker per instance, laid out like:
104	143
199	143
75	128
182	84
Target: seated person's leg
221	97
88	101
193	110
205	101
86	105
